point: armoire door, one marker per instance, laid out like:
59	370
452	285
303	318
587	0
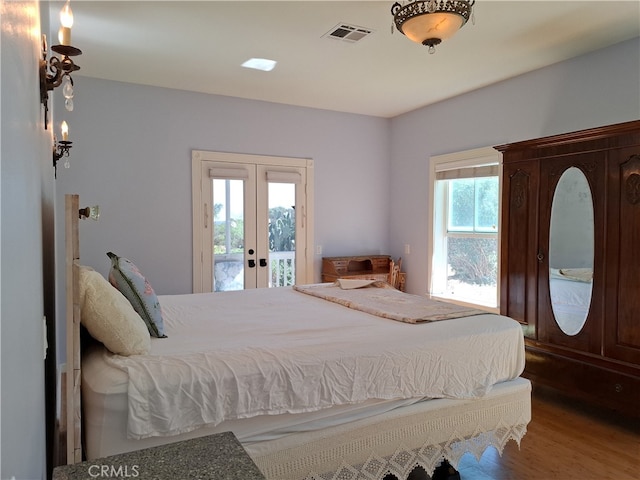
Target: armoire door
519	232
622	288
571	251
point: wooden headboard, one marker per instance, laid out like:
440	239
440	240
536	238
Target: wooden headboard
72	381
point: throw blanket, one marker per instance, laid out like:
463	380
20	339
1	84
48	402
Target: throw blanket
380	299
576	274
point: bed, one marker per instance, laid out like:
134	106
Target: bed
314	389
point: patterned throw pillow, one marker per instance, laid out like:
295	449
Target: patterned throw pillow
126	277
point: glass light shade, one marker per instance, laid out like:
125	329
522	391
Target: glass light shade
440	25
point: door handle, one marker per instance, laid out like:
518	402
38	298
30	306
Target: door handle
252	263
263	262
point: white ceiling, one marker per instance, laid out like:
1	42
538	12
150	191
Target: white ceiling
200	45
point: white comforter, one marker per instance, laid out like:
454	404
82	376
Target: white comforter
236	355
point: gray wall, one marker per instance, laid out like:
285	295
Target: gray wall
593	90
26	223
132	155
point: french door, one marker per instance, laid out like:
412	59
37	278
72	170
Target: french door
251	221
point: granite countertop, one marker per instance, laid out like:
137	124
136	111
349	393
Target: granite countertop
214	457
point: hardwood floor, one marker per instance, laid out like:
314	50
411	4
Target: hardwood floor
565	440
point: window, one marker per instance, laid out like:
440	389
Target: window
464	248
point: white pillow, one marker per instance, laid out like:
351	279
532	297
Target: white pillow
109	317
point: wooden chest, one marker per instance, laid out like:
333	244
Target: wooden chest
369	267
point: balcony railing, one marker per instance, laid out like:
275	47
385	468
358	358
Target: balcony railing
229	270
282	269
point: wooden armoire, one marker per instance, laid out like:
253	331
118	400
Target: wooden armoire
600	360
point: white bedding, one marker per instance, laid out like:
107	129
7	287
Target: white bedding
105	407
571	300
233	355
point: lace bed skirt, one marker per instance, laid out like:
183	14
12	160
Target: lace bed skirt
396	442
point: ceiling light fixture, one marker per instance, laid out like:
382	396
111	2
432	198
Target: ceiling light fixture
430	21
263	64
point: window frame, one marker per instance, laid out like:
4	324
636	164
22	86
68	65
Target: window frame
478	157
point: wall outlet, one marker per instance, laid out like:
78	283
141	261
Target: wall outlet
318	249
407	249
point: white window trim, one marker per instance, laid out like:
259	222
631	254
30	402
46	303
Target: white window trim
453	161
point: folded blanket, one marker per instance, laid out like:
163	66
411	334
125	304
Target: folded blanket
576	274
379	298
579	274
351	283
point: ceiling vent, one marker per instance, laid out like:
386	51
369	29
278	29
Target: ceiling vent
348	33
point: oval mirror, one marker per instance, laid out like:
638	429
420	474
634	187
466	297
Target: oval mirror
571	251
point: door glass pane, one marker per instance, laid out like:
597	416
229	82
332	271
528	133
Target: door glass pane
282	234
228	235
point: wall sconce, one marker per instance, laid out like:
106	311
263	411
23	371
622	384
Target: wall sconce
90	212
54	71
61	148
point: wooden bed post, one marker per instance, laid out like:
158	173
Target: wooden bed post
72	254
